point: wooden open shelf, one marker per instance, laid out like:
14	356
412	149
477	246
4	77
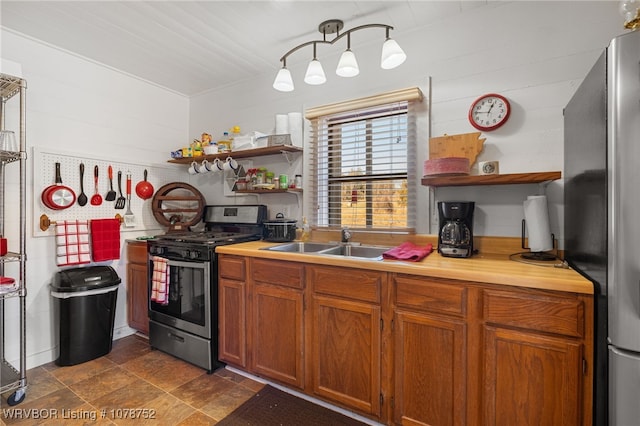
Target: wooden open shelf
245	153
267	191
506	179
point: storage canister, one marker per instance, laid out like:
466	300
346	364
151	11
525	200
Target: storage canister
260	175
284	181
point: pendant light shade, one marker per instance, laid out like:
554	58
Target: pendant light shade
315	73
283	81
392	55
348	65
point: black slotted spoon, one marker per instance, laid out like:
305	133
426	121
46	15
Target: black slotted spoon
82	198
121	201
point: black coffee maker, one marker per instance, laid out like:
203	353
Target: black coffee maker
455	236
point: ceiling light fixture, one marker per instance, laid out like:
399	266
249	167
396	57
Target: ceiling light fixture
630	10
392	56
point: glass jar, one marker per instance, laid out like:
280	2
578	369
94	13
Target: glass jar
260	175
284	182
268	177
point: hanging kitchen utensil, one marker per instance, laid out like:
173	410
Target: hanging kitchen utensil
144	189
96	199
129	218
111	195
82	198
121	201
58	196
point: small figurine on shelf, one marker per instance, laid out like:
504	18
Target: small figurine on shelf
196	148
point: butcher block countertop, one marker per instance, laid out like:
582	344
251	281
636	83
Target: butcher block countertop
491	268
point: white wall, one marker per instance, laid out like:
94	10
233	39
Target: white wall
534	53
77	106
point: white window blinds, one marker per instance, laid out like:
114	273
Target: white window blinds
363	162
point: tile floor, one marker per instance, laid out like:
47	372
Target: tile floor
131	376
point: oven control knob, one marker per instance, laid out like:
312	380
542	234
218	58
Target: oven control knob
194	254
157	250
184	253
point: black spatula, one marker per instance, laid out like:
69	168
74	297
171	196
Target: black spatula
121	201
111	195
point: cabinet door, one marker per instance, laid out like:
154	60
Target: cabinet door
138	297
430	370
346	352
531	379
277	334
232	337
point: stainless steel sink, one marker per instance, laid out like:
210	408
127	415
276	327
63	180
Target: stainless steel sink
301	247
347	250
367	252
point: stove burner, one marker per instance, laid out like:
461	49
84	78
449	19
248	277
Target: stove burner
208	237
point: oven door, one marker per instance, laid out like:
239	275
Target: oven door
189	305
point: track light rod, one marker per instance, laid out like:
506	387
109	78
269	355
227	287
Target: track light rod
336	38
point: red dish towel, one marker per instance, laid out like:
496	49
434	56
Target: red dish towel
105	239
408	251
160	281
72	242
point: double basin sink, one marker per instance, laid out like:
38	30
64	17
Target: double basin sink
336	249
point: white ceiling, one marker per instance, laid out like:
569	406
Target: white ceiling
194	46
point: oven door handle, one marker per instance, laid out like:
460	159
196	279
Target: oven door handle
200	265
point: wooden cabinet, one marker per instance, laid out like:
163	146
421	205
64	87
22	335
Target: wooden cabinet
261	317
474	354
410	350
345	336
232	320
531	379
535	363
137	286
277	321
430	339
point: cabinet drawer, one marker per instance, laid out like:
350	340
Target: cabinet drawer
288	274
534	311
431	295
137	252
358	284
231	267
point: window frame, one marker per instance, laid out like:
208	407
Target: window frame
321	119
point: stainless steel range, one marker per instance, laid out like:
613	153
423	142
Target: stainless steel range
183	282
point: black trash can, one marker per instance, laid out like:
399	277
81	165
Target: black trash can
84	306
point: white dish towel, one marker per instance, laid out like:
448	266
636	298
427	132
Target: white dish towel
72	242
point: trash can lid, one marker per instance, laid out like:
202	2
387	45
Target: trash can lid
84	278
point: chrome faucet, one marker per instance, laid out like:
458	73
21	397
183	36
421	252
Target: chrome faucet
346	235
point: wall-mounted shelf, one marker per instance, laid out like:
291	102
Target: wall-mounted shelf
505	179
246	153
268	191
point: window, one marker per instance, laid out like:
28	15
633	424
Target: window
363	163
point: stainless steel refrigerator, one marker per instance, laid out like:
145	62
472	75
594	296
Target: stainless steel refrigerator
602	220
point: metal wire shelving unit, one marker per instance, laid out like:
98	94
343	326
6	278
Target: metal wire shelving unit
11	377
